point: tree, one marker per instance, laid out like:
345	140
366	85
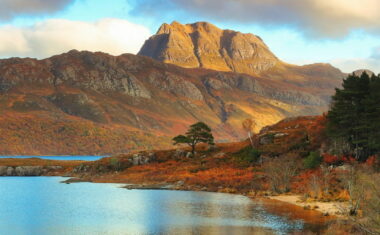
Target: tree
197	133
280	171
248	125
312	161
353	119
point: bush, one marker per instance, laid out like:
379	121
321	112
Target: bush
312	161
280	172
247	155
115	164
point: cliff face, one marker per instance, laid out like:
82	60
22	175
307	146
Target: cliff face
204	45
94	103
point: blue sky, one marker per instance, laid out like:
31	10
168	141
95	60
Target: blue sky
300	32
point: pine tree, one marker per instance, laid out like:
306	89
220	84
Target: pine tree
197	133
354	115
373	103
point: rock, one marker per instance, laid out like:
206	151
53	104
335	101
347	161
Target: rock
181	182
279	135
266	139
54	168
344	167
28	170
204	45
136	160
189	154
152	156
142	158
179	153
220	155
10	171
3	170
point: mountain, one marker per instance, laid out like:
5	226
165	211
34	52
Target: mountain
95	103
204	45
360	71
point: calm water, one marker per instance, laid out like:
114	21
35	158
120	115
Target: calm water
84	158
42	205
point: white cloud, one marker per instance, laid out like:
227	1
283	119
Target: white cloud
54	36
323	18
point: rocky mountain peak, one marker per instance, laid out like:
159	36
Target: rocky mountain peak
204	45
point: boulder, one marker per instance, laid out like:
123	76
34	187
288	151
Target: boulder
266	139
179	153
10	171
28	171
3	170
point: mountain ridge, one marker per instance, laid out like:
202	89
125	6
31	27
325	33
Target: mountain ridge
132	101
82	102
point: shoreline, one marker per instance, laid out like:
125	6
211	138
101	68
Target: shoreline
326	208
287	205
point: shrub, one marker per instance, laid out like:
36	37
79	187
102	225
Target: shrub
330	159
115	164
312	161
247	155
280	172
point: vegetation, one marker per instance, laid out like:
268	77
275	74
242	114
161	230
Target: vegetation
280	172
197	133
312	161
248	125
248	155
354	117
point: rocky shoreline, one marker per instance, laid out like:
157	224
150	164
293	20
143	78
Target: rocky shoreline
27	170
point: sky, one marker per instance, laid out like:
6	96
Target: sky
344	33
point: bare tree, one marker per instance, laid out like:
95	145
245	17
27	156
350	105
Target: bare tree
248	125
363	188
280	172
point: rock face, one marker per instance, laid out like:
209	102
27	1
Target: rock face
204	45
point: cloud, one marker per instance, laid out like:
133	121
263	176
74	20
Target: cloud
12	8
324	18
54	36
350	65
376	53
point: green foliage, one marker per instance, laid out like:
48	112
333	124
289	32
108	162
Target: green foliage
247	155
354	116
312	161
197	133
115	164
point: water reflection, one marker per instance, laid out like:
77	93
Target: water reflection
42	205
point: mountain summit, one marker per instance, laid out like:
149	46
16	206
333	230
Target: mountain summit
203	45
